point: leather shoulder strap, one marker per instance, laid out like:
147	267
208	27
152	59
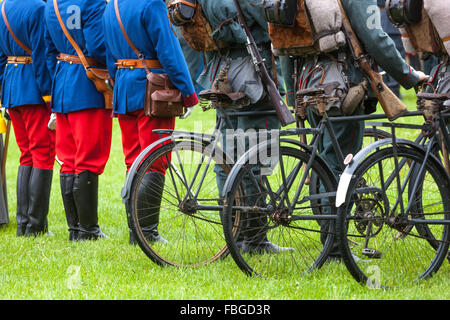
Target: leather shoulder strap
5	19
119	19
130	43
69	37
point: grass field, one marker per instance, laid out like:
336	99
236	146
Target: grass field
51	267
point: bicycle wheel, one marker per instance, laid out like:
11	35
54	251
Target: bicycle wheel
265	217
189	210
380	245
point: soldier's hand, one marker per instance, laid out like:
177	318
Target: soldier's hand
422	76
187	114
52	122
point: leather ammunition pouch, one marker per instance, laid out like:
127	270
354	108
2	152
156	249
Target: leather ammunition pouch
404	12
182	11
162	98
315	28
197	31
98	75
281	12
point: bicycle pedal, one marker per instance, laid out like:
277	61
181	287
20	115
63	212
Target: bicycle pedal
371	253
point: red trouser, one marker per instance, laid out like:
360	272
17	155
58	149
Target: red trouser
35	141
83	140
137	134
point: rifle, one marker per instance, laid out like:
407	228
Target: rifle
283	113
393	107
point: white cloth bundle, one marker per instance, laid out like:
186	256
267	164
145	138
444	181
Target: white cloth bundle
409	48
439	12
327	19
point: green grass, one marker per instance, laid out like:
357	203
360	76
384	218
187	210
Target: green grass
51	267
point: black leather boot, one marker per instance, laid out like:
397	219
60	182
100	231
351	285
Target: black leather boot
254	230
255	236
66	181
39	193
149	204
23	180
85	192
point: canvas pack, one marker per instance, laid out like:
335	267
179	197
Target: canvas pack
432	33
317	29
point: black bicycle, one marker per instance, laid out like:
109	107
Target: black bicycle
289	200
394	203
190	208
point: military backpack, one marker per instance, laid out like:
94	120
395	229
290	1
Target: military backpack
423	24
194	27
304	27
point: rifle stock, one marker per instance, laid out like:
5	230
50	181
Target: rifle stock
392	106
283	113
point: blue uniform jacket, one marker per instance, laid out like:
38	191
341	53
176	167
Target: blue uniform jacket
146	23
24	84
72	90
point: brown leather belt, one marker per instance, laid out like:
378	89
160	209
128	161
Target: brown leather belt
20	60
76	60
136	63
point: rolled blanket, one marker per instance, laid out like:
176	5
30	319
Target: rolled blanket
327	19
409	47
439	12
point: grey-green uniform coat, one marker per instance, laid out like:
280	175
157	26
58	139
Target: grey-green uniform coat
365	19
364	16
217	12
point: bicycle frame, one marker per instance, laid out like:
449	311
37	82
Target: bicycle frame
287	182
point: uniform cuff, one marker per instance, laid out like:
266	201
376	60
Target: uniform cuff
411	79
190	101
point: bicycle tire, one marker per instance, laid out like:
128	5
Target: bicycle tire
310	244
194	238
